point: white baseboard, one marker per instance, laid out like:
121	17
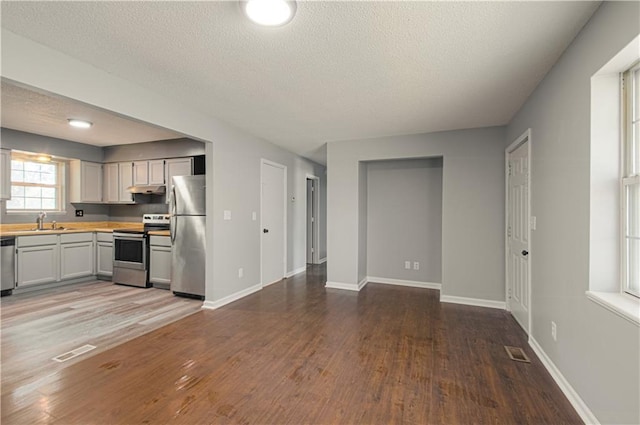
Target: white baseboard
400	282
362	283
295	272
340	285
581	407
212	305
322	260
473	301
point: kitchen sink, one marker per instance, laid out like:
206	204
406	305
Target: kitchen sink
48	230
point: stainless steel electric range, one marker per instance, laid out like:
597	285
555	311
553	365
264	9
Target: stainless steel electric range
131	251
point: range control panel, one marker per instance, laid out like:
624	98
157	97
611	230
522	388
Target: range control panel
156	218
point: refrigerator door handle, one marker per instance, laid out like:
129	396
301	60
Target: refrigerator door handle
172	200
172	225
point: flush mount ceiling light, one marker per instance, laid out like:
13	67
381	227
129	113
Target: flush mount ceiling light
270	13
79	123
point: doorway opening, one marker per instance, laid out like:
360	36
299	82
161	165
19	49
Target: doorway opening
313	221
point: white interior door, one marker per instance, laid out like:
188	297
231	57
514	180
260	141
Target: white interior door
518	231
273	219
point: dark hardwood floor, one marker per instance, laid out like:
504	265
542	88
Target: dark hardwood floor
298	353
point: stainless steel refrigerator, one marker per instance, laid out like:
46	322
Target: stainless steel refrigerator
188	236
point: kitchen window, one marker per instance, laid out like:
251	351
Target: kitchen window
36	183
630	181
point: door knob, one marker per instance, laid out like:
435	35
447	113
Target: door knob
265	230
525	252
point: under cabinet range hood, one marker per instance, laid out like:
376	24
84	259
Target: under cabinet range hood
148	190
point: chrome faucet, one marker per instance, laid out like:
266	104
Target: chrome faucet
40	220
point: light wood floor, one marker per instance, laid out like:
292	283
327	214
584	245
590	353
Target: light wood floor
298	353
37	326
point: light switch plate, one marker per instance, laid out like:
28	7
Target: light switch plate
533	222
254	216
227	214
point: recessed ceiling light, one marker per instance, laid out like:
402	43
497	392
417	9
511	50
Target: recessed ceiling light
79	123
270	13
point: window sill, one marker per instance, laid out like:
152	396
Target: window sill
35	212
625	306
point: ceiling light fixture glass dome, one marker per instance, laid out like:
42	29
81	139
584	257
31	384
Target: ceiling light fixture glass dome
270	13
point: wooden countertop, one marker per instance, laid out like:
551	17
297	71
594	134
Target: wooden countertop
160	233
26	229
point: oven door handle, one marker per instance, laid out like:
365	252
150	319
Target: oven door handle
128	238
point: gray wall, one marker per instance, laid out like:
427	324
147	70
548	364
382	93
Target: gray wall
596	351
236	187
17	140
472	205
405	219
133	213
161	149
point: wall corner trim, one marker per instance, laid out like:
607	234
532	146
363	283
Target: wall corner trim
473	301
345	286
295	272
400	282
581	407
212	305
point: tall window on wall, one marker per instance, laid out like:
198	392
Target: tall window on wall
631	180
36	183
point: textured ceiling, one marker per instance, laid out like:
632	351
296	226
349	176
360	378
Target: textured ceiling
339	70
46	114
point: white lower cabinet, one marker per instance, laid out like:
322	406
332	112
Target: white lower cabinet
38	260
51	258
104	254
160	260
76	255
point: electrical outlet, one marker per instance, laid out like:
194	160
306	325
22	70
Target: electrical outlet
554	331
407	265
416	265
79	213
240	272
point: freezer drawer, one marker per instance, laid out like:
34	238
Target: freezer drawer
188	255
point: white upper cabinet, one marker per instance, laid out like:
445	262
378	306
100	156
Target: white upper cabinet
140	173
125	172
86	181
110	183
5	174
156	172
177	167
148	172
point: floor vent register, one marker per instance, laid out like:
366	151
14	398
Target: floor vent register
73	353
516	353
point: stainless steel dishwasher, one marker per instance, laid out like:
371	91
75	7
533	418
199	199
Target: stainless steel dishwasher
8	263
